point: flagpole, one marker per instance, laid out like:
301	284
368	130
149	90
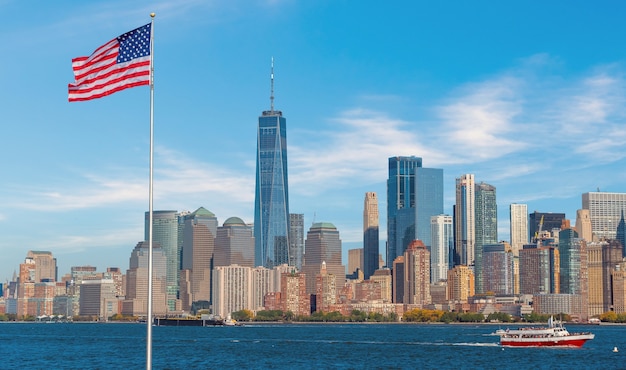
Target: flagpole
149	319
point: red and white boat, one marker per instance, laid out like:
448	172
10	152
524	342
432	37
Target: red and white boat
554	335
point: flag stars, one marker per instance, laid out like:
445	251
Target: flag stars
134	44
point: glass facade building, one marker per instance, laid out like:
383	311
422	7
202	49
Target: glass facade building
605	210
441	248
400	205
165	232
486	229
271	205
464	225
428	200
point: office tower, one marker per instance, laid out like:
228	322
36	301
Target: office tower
45	266
383	277
486	228
136	302
539	269
621	233
355	260
442	241
322	245
296	240
464	222
460	284
417	274
234	244
232	289
574	272
97	298
498	269
397	272
519	226
428	200
605	210
550	220
602	258
370	235
583	225
200	228
400	205
165	232
119	280
271	203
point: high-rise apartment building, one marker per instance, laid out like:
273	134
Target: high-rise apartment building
486	228
296	240
460	284
400	205
200	228
518	217
417	274
442	242
232	289
370	235
498	269
293	294
539	270
464	221
397	291
605	210
383	277
323	246
234	244
271	203
165	232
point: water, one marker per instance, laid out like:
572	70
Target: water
293	346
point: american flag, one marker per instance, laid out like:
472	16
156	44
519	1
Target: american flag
119	64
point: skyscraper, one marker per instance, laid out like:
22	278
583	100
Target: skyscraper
464	222
323	245
498	269
197	260
234	244
519	226
550	220
400	205
414	194
296	240
165	232
271	204
486	228
428	200
605	210
370	235
417	274
621	233
441	246
583	225
136	302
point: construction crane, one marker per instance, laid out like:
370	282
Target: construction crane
538	232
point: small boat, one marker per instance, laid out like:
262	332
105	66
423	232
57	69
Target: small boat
554	335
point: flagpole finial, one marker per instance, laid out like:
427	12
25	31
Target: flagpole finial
152	15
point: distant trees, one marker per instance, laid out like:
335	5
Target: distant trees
611	316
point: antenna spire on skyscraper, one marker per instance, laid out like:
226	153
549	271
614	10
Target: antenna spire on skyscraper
272	87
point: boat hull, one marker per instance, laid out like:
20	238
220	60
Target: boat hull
574	341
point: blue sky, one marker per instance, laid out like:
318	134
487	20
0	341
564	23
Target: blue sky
528	96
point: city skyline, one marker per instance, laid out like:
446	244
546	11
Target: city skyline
520	96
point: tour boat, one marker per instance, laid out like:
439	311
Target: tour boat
554	335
